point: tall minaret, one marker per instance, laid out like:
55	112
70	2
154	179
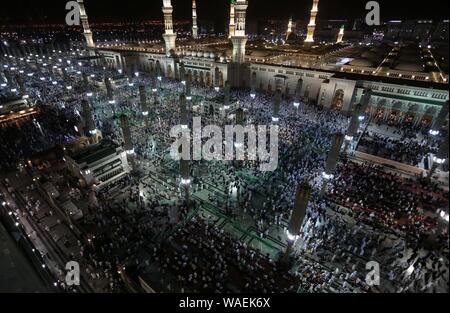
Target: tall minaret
340	35
194	20
169	36
239	37
85	22
289	29
232	24
312	22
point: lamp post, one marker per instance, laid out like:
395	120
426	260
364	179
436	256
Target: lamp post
302	197
298	90
144	105
333	157
276	107
440	157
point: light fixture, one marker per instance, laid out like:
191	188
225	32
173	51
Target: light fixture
291	237
185	181
438	160
434	132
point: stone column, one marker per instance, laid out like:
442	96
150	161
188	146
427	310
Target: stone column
302	197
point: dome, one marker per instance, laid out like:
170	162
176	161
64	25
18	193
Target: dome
361	62
409	67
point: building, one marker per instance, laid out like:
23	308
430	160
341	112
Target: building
407	79
98	165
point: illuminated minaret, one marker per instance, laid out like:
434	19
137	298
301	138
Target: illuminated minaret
312	22
340	35
169	36
194	20
232	24
289	29
85	22
239	37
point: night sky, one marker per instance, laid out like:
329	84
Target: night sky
53	11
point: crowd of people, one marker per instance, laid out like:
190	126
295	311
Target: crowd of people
138	226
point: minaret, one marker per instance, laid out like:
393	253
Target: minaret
239	37
169	36
85	22
312	22
289	29
232	26
340	35
194	20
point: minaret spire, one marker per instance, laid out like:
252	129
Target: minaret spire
232	26
312	22
169	35
85	22
239	37
194	20
289	29
340	35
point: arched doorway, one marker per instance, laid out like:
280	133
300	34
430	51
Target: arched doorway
306	94
208	79
380	110
338	100
202	79
428	117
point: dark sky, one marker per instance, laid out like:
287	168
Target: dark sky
53	11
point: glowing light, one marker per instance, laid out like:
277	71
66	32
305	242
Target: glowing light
275	119
185	181
327	176
438	160
291	237
434	132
